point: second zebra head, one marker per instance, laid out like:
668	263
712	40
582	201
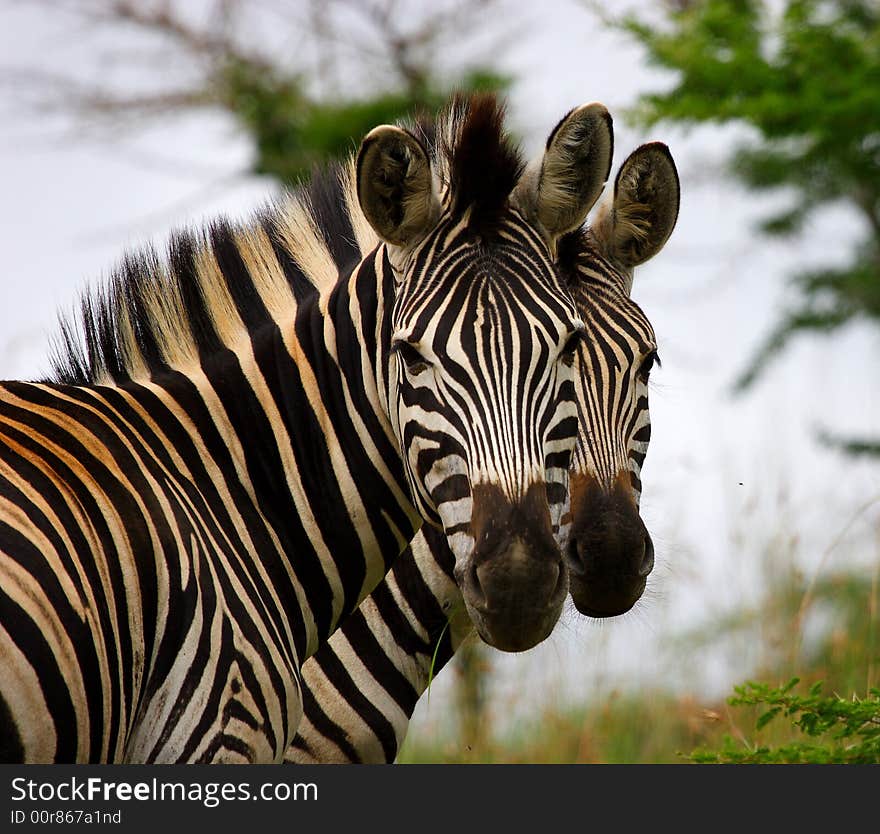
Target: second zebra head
484	335
610	552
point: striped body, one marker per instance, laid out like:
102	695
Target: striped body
238	442
163	575
361	688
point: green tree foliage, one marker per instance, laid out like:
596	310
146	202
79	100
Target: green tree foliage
807	80
840	731
355	64
293	132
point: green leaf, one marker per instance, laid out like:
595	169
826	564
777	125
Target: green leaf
767	717
807	84
791	684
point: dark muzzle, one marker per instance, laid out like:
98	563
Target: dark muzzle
610	553
515	583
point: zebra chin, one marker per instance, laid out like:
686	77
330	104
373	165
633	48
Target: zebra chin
514	581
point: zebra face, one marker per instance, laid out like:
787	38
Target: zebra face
483	336
487	416
610	553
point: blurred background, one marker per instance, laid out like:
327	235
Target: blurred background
123	119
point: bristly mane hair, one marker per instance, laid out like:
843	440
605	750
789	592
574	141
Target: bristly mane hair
476	160
216	285
580	248
568	250
220	284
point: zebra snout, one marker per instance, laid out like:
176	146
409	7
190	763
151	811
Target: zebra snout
514	583
514	599
515	579
608	576
610	553
647	564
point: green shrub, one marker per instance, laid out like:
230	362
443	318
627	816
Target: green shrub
841	731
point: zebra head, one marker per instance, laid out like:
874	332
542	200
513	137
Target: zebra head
610	552
483	337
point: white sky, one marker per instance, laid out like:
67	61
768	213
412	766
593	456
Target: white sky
726	482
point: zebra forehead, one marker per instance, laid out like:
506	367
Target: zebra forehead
477	269
486	310
600	291
511	274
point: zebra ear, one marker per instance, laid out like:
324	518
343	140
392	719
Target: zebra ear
559	193
643	213
394	185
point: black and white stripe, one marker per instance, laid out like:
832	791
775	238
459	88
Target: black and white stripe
225	461
361	688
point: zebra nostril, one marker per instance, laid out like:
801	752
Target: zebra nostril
647	564
473	587
561	587
574	559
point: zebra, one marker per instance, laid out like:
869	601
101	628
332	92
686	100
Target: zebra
361	687
238	439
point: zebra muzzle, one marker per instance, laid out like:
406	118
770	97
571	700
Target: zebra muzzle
610	553
515	582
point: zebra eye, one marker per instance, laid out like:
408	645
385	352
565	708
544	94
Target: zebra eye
647	364
414	361
569	349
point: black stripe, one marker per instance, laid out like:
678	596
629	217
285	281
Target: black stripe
643	435
339	676
238	279
418	595
326	727
373	656
131	287
11	745
182	255
327	202
31	640
299	284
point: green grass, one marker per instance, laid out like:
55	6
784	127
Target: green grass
622	729
760	724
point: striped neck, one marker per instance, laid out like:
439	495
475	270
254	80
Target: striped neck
303	406
329	372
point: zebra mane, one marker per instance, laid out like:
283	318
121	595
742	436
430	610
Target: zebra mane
215	285
476	162
219	284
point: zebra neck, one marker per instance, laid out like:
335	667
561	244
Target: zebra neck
382	660
330	471
412	623
427	619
